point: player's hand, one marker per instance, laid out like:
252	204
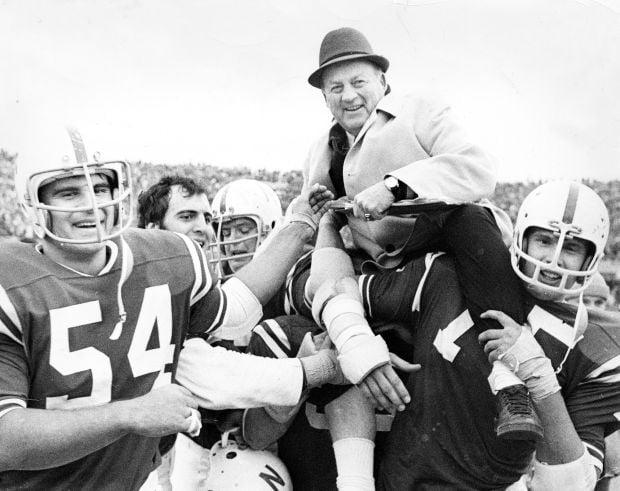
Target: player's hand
497	342
333	219
372	203
165	410
385	388
311	205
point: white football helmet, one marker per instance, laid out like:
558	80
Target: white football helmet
236	467
570	210
61	153
244	198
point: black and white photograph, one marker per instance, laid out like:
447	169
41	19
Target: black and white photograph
282	245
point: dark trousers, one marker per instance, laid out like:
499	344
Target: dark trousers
471	235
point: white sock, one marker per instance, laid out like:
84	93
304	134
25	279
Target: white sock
354	462
501	377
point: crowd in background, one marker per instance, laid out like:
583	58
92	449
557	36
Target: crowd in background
287	185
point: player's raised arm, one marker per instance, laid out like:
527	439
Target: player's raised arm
264	275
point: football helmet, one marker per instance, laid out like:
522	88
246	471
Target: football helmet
569	210
244	198
239	467
60	154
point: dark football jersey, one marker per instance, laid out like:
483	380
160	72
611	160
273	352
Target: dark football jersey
303	449
445	439
60	347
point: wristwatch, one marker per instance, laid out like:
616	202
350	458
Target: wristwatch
393	186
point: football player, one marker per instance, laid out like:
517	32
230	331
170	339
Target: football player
243	208
568	360
178	204
245	212
93	318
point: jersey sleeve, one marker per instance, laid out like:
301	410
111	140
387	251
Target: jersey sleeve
207	302
594	408
13	362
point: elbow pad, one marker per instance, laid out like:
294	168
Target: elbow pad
578	475
243	310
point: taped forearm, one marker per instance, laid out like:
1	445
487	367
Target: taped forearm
223	379
243	310
528	361
360	351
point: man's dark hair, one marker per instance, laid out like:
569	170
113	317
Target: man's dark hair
153	202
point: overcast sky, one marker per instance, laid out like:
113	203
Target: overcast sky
223	82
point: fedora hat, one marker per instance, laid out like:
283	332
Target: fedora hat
345	44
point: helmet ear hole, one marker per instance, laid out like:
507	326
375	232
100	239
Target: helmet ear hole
236	467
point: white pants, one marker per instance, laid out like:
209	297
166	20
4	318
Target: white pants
184	468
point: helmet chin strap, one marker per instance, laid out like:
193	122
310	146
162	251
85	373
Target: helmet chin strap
126	269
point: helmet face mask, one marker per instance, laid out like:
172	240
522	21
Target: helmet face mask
67	160
569	210
242	200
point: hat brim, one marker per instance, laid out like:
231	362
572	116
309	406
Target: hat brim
315	78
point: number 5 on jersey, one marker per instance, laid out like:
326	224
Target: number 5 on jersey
156	310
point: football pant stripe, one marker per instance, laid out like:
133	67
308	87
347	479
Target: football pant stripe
597	455
278	334
7	405
8	309
612	365
363	284
429	259
274	338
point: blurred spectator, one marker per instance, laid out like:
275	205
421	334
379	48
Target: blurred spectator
596	295
287	185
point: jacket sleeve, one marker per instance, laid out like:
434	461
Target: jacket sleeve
456	169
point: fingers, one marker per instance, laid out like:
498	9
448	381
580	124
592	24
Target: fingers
490	334
385	388
395	390
491	346
499	316
367	213
372	391
195	425
404	366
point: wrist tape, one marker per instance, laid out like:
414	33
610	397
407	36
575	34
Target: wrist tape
320	368
528	361
305	219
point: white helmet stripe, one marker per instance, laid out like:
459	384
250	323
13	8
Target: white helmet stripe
78	145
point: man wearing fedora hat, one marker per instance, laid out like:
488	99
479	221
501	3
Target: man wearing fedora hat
383	148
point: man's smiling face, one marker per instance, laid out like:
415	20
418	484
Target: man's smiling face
352	90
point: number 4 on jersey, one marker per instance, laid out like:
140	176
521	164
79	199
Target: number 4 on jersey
156	310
